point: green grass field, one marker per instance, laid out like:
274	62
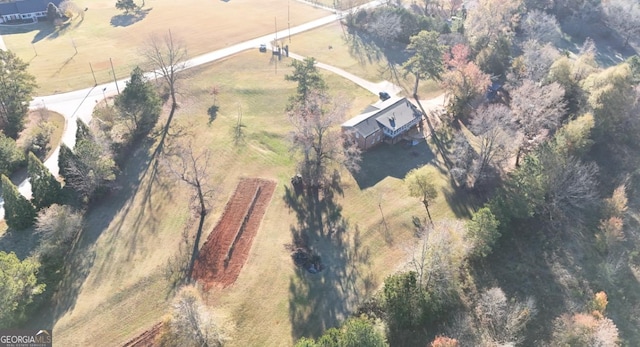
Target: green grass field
120	283
107	33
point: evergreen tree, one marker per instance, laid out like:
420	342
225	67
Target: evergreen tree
44	186
65	158
18	286
53	12
18	211
10	155
308	78
16	90
426	61
139	104
483	232
83	133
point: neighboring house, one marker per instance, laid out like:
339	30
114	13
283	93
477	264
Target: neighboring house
384	121
25	10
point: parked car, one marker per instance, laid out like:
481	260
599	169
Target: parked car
384	96
263	47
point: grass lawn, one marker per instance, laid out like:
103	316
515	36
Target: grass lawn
333	44
121	283
107	33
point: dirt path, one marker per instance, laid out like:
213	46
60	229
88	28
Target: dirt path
226	250
146	339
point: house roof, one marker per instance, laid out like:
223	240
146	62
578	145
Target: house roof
392	114
398	114
7	8
365	123
26	6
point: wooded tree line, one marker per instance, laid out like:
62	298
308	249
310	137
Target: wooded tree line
551	150
55	207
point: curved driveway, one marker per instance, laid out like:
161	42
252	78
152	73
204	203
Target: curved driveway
80	103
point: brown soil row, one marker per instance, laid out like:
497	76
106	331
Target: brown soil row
210	268
146	339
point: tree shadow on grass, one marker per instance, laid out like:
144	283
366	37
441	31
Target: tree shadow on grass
610	46
140	166
391	161
126	19
368	49
44	32
318	301
462	201
42	29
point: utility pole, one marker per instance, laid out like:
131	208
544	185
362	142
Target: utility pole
114	76
74	45
94	75
34	49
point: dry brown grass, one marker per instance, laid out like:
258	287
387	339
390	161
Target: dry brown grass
131	238
203	25
332	44
38	116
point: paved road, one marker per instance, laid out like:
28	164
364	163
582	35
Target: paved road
80	103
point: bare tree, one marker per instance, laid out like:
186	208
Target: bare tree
387	26
492	18
623	16
58	226
536	61
584	330
168	57
318	138
537	111
495	135
192	324
571	188
192	169
451	6
502	321
541	27
461	158
438	256
71	9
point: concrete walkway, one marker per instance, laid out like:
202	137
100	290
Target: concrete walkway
375	88
79	104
